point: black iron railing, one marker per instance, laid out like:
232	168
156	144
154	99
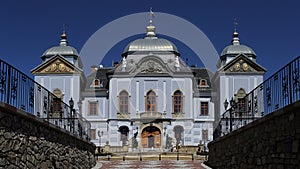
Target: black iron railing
279	90
22	92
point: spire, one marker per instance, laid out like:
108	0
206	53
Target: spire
235	40
63	36
150	28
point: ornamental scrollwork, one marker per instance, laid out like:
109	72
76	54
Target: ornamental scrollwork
296	82
2	82
151	67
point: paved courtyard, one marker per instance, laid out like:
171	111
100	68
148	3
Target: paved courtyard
150	164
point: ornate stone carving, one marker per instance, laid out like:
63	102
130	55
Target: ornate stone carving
57	67
241	66
151	67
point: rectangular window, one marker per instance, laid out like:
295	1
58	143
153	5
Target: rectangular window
123	102
93	134
204	108
178	102
204	135
93	108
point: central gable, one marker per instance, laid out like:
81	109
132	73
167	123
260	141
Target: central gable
151	65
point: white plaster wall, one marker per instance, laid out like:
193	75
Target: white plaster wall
230	84
68	84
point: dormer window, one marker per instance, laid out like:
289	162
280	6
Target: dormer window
202	83
97	83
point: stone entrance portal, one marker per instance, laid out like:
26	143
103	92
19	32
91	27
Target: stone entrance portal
151	137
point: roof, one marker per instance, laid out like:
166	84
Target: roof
100	74
63	49
151	43
237	48
60	50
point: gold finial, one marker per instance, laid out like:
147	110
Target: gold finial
63	36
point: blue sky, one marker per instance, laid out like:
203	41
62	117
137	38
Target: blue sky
29	27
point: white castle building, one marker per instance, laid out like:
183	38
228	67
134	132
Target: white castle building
151	98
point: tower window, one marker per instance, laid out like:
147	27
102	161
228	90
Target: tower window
56	107
241	102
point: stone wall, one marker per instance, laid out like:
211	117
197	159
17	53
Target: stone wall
29	142
268	143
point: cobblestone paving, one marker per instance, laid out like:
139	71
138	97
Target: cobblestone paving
151	164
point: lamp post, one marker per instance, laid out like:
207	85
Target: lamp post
71	104
232	107
100	133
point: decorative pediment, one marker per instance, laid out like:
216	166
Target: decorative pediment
56	65
243	64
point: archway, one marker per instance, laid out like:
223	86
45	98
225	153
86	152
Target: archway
124	134
179	134
151	137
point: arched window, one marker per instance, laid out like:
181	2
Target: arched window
151	101
123	102
203	83
57	103
96	82
241	102
178	102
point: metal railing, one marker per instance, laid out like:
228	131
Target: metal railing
279	90
22	92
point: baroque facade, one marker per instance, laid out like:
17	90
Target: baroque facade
151	99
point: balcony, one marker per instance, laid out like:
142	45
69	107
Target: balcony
178	115
123	115
150	115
